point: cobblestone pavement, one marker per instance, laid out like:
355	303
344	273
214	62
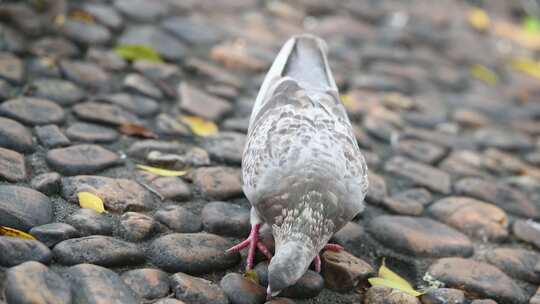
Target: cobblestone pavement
449	128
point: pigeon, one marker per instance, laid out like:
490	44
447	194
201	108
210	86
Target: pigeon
302	170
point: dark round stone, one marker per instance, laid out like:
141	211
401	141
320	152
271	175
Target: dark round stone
192	253
136	226
96	285
16	251
419	236
54	233
23	208
47	183
241	290
33	111
178	219
63	92
32	282
81	159
148	283
196	290
15	136
93	133
226	219
99	250
89	222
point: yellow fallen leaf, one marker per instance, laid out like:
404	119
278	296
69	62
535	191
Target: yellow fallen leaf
138	52
199	126
252	276
527	66
388	278
15	233
90	201
479	19
484	74
346	100
161	172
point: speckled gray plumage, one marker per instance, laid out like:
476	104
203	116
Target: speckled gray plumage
302	169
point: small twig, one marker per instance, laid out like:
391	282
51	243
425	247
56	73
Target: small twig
154	191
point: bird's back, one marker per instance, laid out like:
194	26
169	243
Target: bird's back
300	141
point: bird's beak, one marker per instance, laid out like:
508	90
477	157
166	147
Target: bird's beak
270	294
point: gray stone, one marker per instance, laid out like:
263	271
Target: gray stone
510	199
218	183
32	282
139	105
33	111
50	136
241	290
420	174
477	278
142	85
11	68
98	250
47	183
136	226
89	222
96	285
192	31
17	250
92	133
197	290
148	283
141	10
12	166
63	92
225	147
86	74
54	233
169	187
199	103
85	32
104	113
81	159
106	59
192	253
23	208
179	219
166	45
444	296
118	195
521	264
15	136
54	47
104	14
226	219
419	236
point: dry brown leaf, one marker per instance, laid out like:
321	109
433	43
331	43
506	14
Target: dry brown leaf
81	15
136	130
517	34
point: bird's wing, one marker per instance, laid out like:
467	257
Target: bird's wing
299	125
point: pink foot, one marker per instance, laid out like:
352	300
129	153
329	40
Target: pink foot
252	242
333	247
329	247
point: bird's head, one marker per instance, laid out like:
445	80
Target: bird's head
288	265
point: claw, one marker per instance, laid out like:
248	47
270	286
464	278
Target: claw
317	262
333	247
253	243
